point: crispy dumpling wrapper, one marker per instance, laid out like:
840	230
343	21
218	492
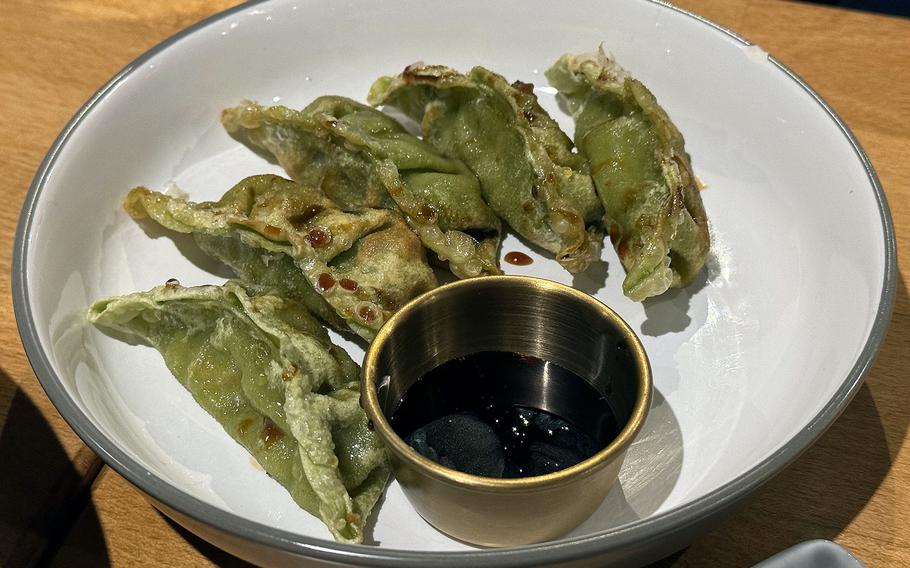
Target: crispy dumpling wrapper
527	170
654	212
353	270
362	158
265	369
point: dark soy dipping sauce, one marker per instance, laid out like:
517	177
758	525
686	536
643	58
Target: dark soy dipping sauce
480	414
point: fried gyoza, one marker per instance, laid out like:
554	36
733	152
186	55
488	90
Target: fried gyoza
362	158
527	171
654	213
351	269
265	369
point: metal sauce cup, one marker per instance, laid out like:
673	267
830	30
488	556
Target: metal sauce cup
531	316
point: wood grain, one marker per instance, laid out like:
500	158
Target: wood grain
122	529
853	486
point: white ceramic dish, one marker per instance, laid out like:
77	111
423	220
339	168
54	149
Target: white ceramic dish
751	363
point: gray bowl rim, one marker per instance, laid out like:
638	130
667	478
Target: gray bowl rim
629	537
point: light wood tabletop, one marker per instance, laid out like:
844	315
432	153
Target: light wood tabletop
59	506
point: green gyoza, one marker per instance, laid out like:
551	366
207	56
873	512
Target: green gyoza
353	270
267	372
362	158
654	213
528	173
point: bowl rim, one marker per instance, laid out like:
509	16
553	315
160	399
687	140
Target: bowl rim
633	535
597	462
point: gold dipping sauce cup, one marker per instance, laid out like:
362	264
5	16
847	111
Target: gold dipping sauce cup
524	315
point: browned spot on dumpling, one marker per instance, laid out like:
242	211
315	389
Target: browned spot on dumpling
300	219
428	214
527	88
397	238
571	217
325	282
622	249
319	238
614	231
271	433
367	313
427	73
289	373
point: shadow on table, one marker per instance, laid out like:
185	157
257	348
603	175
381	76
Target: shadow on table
821	492
215	555
41	492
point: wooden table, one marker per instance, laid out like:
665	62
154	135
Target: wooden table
59	506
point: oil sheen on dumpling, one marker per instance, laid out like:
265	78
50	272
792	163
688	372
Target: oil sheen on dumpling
362	158
527	171
654	212
353	270
265	369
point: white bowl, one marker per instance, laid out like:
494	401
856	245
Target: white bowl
750	364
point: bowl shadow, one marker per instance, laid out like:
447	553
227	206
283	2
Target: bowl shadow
592	279
669	312
188	248
648	475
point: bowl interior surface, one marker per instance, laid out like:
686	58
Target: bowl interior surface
742	360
